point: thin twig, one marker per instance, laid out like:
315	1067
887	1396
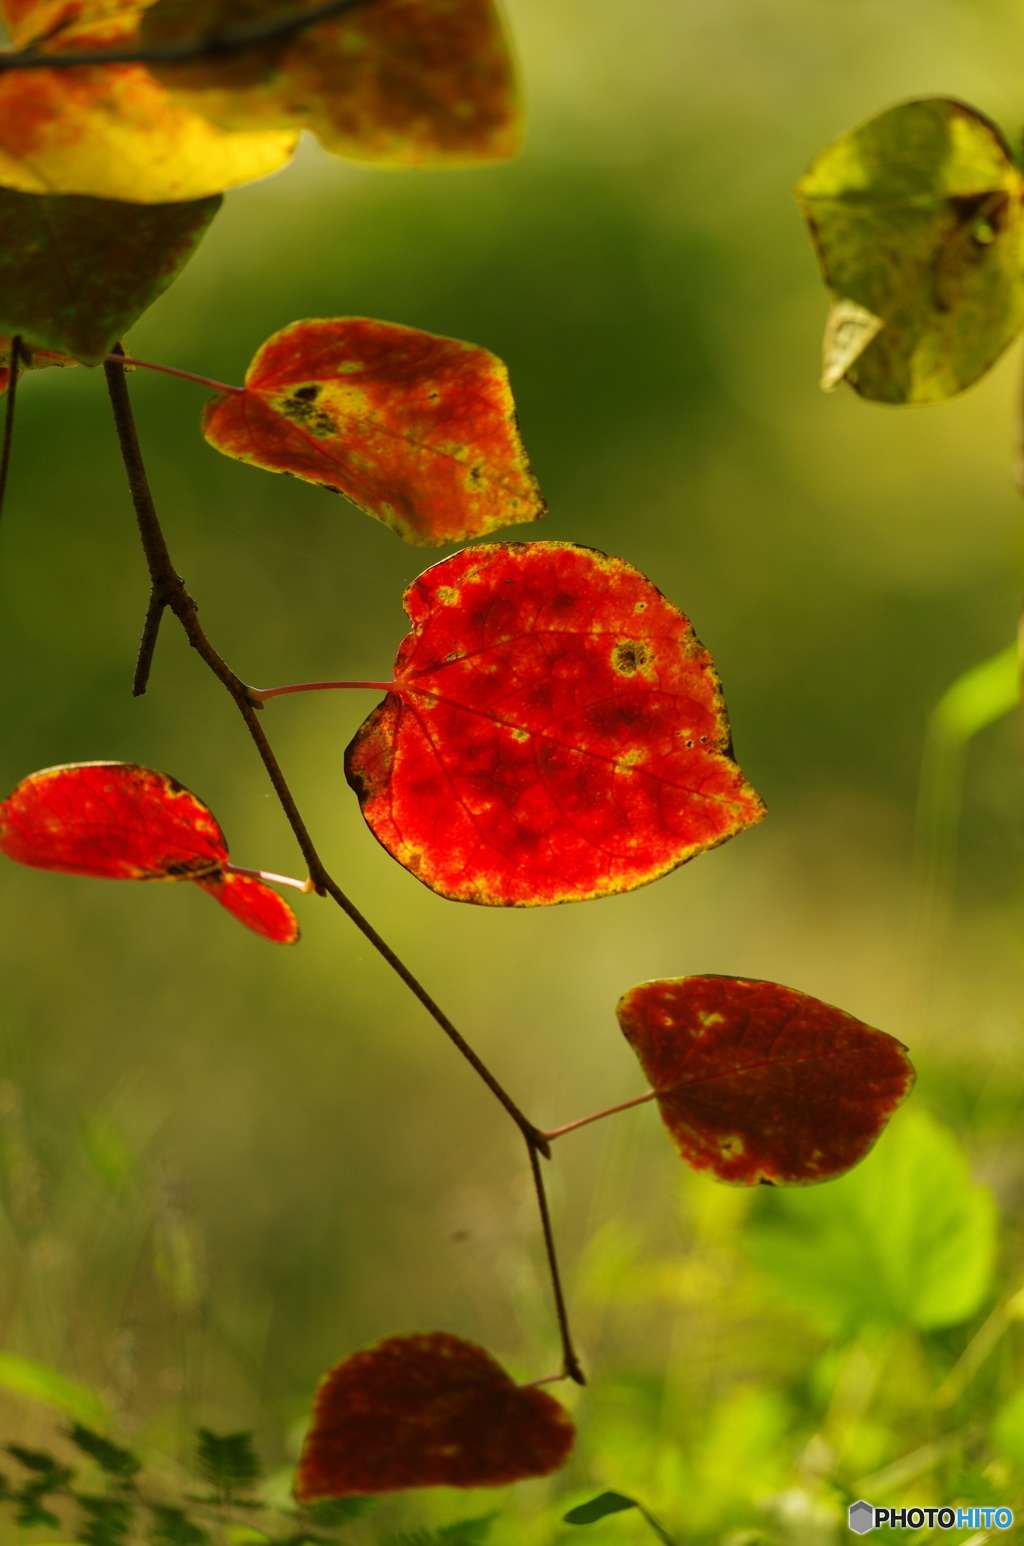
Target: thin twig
170	588
147	644
12	393
570	1361
210	45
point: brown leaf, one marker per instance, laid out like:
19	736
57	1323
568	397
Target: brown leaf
401	82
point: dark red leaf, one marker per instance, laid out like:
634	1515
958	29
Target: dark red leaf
427	1411
557	732
416	430
759	1082
118	821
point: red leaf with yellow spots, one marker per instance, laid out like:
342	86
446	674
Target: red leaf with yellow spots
757	1082
118	821
556	732
417	430
112	131
427	1411
398	82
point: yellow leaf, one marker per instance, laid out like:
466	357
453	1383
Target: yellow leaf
918	220
112	130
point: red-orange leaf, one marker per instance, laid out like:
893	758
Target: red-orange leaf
398	82
427	1411
118	821
255	904
759	1082
557	732
417	430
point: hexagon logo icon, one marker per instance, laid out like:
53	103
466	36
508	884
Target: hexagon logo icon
862	1517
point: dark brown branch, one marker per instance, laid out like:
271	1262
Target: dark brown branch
169	591
12	394
570	1362
209	45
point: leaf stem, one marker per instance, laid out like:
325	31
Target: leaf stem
169	588
609	1111
172	370
12	393
280	880
570	1362
210	45
261	694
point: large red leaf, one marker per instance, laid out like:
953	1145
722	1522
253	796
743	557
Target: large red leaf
398	82
556	732
759	1082
427	1411
417	430
118	821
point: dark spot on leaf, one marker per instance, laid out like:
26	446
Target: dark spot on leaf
307	394
302	412
629	656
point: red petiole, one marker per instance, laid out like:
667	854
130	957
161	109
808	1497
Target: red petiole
306	886
261	694
171	370
570	1127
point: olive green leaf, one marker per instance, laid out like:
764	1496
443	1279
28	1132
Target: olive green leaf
76	272
918	222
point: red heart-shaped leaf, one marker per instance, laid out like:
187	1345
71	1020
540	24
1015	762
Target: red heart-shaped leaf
118	821
757	1082
429	1410
556	732
416	430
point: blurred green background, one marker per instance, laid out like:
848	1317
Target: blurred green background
228	1164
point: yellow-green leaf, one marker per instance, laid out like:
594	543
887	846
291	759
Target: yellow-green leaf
38	1382
399	82
76	272
918	223
112	130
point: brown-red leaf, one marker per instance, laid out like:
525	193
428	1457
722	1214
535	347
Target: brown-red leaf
118	821
398	82
429	1410
556	733
418	431
759	1082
